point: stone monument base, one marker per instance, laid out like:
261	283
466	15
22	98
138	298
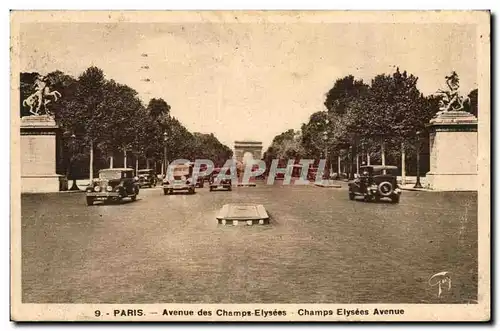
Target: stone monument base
453	152
451	182
38	154
40	183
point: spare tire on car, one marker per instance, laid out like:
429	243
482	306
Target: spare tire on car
385	189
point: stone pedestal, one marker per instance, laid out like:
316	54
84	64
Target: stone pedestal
38	154
453	152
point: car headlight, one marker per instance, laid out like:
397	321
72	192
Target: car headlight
97	188
109	188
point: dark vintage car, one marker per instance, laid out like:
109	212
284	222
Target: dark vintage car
200	180
181	179
376	182
112	185
147	177
216	182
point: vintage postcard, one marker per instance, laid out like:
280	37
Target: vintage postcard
242	166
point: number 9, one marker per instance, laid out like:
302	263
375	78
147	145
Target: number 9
97	313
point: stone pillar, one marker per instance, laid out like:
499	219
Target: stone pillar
453	152
38	154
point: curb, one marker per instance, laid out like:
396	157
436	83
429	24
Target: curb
417	189
432	191
329	185
55	192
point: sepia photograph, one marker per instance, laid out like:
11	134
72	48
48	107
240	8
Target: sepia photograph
250	166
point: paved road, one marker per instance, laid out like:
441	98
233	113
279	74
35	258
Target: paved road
319	248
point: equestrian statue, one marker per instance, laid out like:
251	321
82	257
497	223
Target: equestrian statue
451	100
42	96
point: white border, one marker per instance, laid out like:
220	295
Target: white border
312	4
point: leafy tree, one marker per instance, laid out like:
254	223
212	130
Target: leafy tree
158	108
470	105
313	138
207	146
287	145
343	92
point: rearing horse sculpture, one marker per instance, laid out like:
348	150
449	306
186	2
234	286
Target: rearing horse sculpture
41	96
451	100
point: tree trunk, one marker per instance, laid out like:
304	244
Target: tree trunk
338	166
111	159
368	158
327	165
403	164
136	165
147	163
124	158
357	164
91	161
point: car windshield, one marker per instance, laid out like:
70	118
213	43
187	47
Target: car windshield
110	174
385	172
377	171
181	170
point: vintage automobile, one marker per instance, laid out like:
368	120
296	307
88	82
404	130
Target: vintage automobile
200	180
147	177
374	183
181	179
218	183
113	184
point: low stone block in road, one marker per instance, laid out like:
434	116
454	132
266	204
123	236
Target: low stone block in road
242	213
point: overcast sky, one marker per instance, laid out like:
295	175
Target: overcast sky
250	80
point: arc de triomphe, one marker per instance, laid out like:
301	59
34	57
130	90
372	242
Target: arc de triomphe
245	146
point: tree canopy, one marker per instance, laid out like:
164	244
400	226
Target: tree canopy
388	111
111	116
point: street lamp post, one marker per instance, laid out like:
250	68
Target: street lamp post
418	184
325	154
74	187
165	152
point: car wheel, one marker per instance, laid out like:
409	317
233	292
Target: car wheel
377	198
395	199
191	190
90	201
230	188
211	188
165	191
351	196
134	197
